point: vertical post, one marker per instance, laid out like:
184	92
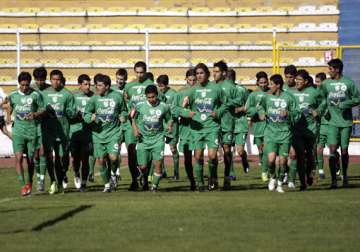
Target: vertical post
274	51
340	52
18	48
147	48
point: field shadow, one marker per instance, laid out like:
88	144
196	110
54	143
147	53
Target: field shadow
69	214
30	209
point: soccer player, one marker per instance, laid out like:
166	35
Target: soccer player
306	130
234	99
40	75
3	105
241	125
148	126
258	127
290	72
134	92
185	137
207	104
341	95
172	137
280	109
104	110
80	134
27	105
60	108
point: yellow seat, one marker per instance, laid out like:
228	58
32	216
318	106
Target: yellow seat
242	26
31	10
113	61
263	42
178	27
223	9
178	9
157	26
201	27
74	9
29	26
199	42
263	60
50	27
285	8
157	61
28	61
244	42
177	61
8	26
96	9
264	26
136	26
178	42
114	42
7	61
285	25
134	42
264	9
70	61
93	42
8	43
73	26
51	42
117	9
50	61
243	9
200	9
118	27
5	78
132	61
11	10
51	10
195	61
94	26
222	26
72	43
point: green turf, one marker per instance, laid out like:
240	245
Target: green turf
249	218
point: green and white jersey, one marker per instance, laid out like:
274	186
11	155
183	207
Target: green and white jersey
40	90
21	105
252	103
125	114
150	121
60	105
81	100
171	96
341	95
184	123
107	109
205	99
241	122
278	126
309	99
135	93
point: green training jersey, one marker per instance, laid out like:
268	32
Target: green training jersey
252	103
203	100
126	124
341	95
40	90
21	105
171	96
241	122
107	109
81	100
150	121
309	100
278	125
60	108
184	123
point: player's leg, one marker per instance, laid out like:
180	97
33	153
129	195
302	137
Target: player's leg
320	155
298	147
130	141
157	156
272	150
291	166
259	142
175	156
240	141
18	143
333	137
310	154
112	151
199	146
49	144
226	140
186	149
75	150
143	156
212	142
345	134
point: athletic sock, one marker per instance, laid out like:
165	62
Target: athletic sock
114	164
320	161
292	170
281	172
264	163
228	163
21	179
176	163
212	163
42	167
332	166
199	171
344	163
37	169
104	173
156	178
91	164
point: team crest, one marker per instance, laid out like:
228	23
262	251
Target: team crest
138	90
301	98
158	112
55	99
83	102
203	94
106	104
203	117
112	104
283	104
277	103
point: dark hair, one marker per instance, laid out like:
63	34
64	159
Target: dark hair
303	74
40	73
203	67
149	76
82	78
311	81
56	72
337	64
122	72
231	75
260	75
24	76
151	89
290	69
97	78
105	79
163	79
63	80
321	76
277	79
190	72
140	64
221	65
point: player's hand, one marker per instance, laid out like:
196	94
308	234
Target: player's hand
93	117
132	113
136	132
314	113
283	113
240	109
170	128
191	114
29	116
213	114
185	102
262	117
122	119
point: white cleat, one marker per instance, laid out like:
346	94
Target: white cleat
77	182
271	184
291	185
286	178
64	185
279	188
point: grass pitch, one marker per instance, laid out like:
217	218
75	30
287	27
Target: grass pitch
248	218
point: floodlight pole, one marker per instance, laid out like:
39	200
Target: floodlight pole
147	50
18	48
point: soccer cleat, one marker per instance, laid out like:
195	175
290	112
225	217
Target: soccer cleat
24	191
286	178
192	185
291	185
154	188
271	184
302	188
338	172
345	182
28	188
246	169
201	188
264	177
53	188
279	188
134	186
91	178
232	177
107	189
65	182
212	184
82	188
41	185
113	182
333	184
77	182
145	187
321	174
227	184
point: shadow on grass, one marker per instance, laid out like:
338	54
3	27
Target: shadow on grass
52	222
30	209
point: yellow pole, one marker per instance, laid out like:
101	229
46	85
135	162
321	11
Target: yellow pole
278	59
274	51
340	52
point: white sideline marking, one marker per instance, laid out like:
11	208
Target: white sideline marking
4	200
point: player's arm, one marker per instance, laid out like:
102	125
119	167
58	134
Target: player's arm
169	118
40	110
70	108
134	125
294	110
262	108
354	99
89	114
222	105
